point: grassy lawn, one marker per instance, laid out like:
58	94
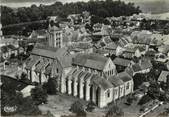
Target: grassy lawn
59	104
129	110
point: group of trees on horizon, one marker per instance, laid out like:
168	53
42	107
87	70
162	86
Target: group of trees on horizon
102	9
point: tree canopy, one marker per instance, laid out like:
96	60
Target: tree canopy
51	86
102	9
78	108
115	111
39	95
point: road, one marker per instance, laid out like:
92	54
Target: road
158	110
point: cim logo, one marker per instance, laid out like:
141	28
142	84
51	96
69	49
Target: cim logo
10	109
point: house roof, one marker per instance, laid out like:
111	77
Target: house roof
37	33
107	40
123	41
8	40
6	48
75	35
129	70
115	81
121	61
136	67
142	41
145	64
101	82
167	63
80	46
163	76
124	76
12	47
111	46
141	37
93	60
130	50
98	25
164	49
41	65
61	54
27	90
48	69
46	52
142	65
32	61
15	84
102	51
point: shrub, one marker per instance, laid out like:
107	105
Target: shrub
144	99
39	95
24	106
24	78
78	108
51	86
115	111
90	106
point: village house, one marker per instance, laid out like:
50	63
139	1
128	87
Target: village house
124	41
129	53
131	50
27	91
163	77
81	47
97	27
10	51
86	17
111	48
107	40
75	19
39	34
18	86
161	58
164	49
1	34
9	41
167	65
102	52
122	64
143	66
142	38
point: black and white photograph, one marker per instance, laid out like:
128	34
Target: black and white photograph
84	58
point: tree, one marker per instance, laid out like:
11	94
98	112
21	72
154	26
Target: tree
39	95
144	99
27	107
23	106
167	82
154	90
115	111
51	86
101	9
24	78
102	13
78	108
90	106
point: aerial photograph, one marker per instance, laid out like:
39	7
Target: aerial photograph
84	58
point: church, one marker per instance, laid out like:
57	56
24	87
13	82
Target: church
88	76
